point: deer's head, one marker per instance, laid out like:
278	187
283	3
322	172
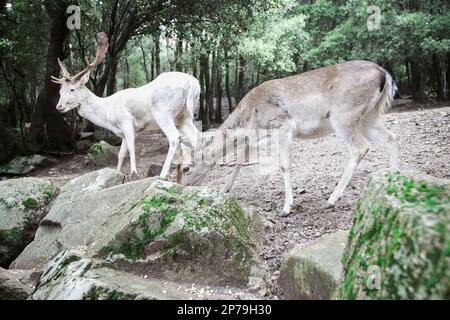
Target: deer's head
72	87
192	173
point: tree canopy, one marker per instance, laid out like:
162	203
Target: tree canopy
229	45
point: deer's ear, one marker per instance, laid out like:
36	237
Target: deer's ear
85	79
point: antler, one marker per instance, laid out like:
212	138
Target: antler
102	48
66	73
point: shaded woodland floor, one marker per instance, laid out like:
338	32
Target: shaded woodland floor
423	138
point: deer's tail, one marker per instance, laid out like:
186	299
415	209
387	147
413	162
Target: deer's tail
193	97
387	93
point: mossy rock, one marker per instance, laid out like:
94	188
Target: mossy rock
71	218
313	271
22	166
399	244
102	153
186	233
151	227
23	204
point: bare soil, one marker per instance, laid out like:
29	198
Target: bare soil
423	138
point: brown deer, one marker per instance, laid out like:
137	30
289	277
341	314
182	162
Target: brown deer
348	99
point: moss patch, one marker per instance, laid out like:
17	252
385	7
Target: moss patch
198	214
14	235
401	227
96	151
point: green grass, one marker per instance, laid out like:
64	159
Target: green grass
30	203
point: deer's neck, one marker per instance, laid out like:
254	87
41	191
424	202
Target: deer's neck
94	109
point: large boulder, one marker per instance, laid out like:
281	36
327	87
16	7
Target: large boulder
398	246
151	227
313	271
182	234
11	286
70	276
72	217
23	204
102	154
24	165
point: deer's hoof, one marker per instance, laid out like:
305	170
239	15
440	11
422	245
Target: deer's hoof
134	176
330	204
284	214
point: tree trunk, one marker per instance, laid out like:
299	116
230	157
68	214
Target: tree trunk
179	54
152	68
227	82
408	74
201	115
144	61
126	82
241	90
112	78
236	80
417	82
438	77
208	93
158	53
218	117
49	129
211	104
258	75
448	76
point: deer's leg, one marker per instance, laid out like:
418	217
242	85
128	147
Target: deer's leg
286	141
191	132
128	129
232	178
359	146
379	134
122	154
167	125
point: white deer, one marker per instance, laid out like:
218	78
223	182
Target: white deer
168	102
348	99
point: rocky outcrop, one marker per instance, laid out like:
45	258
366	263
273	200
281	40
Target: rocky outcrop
24	165
11	286
73	217
150	227
23	204
313	271
398	246
70	276
102	154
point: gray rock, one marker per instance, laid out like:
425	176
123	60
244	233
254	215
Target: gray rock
102	154
313	271
102	134
154	170
23	204
176	233
11	287
151	227
72	217
24	165
70	276
84	145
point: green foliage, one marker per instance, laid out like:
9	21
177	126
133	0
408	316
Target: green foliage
15	234
30	203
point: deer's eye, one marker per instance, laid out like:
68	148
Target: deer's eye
186	170
72	90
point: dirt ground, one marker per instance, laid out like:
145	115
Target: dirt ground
423	138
